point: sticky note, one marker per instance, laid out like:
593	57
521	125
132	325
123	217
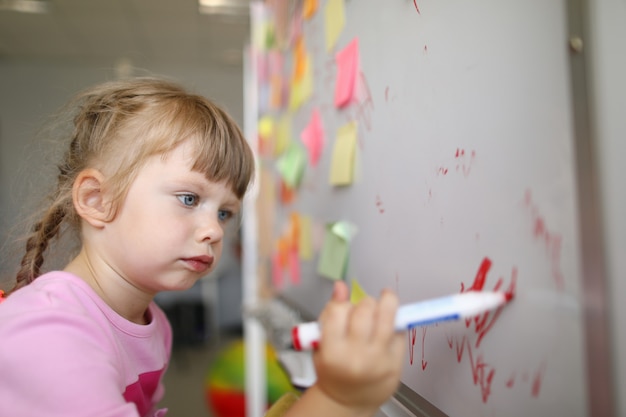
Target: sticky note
299	59
309	8
305	241
313	137
344	230
347	71
286	194
291	165
333	260
275	87
302	89
357	293
335	19
266	127
342	163
294	266
283	135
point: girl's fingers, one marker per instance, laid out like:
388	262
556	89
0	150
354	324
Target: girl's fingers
385	317
334	317
362	320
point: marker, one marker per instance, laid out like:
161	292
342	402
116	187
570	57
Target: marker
305	336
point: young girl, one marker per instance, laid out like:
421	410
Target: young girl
151	177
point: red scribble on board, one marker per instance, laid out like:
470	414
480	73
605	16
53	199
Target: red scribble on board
484	322
463	164
412	333
482	372
424	363
550	239
442	171
536	387
511	381
379	205
364	103
416	8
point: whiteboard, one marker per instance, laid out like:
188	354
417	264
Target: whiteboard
464	178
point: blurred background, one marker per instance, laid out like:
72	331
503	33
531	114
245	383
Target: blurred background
50	49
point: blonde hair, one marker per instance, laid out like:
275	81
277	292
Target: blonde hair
116	127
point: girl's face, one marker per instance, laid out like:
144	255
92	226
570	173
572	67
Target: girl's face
168	232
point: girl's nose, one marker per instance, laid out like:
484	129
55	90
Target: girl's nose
211	230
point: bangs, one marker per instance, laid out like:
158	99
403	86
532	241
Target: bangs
221	151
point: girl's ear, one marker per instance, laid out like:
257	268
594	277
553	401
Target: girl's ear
89	199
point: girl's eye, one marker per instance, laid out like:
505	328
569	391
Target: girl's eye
189	200
224	215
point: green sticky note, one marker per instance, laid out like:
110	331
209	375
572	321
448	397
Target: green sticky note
333	260
291	165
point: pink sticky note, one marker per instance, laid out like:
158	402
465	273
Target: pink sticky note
294	266
347	71
313	137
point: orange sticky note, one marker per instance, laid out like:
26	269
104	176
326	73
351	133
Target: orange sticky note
347	71
299	59
309	8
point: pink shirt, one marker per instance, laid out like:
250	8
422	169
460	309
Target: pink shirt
64	352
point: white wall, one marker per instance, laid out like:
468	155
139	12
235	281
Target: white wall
608	48
29	93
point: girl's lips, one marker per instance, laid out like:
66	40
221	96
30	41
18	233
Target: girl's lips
199	263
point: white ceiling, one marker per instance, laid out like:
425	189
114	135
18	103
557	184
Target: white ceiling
111	32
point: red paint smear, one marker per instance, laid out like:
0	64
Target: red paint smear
387	93
462	163
364	102
482	372
484	322
412	333
424	363
416	8
450	341
536	387
511	381
379	205
551	240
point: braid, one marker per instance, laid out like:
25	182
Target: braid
37	244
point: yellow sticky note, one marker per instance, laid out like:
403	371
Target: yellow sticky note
342	163
283	135
266	127
357	293
335	17
333	260
305	244
302	89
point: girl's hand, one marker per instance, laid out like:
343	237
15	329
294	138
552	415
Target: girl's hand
359	360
